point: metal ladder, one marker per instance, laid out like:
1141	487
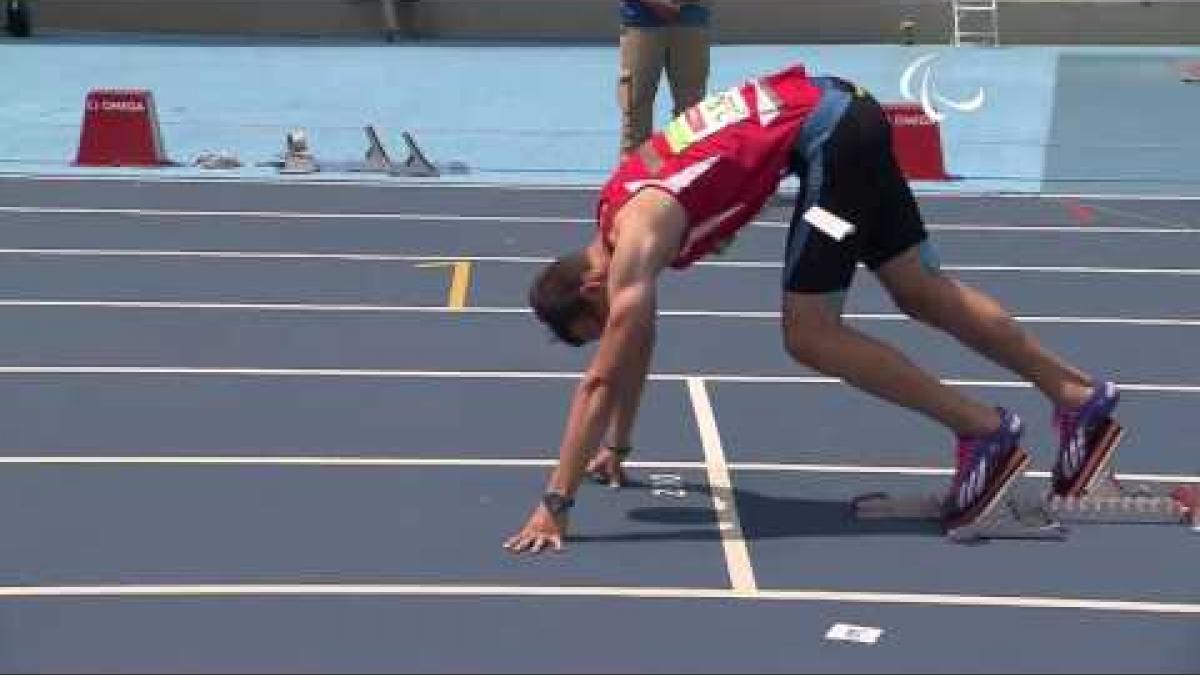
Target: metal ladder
976	22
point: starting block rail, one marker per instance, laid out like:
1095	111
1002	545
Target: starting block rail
1024	516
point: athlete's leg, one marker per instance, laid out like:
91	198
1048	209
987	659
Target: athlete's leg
905	262
988	453
815	336
840	176
988	456
939	300
898	250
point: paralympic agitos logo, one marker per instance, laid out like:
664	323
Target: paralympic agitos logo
928	94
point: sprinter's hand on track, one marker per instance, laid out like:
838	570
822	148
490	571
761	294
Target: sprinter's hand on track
605	468
542	531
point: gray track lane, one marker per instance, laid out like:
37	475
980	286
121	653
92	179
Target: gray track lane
68	336
387	197
476	418
1052	294
152	525
493	418
808	424
288	504
504	285
286	196
1135	245
115	524
521	634
120	525
801	533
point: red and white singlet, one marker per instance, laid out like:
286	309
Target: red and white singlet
721	159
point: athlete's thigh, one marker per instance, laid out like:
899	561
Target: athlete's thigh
814	261
897	226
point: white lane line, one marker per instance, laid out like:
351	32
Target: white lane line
354	181
1134	215
538	260
259	255
443	309
508	375
586	185
1072	229
250	459
637	592
288	461
1068	269
929	471
531	219
265	306
291	215
737	553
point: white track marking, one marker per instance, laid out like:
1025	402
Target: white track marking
442	309
588	186
507	375
1165	226
629	592
540	260
252	459
737	553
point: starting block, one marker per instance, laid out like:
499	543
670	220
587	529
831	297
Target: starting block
1023	516
416	164
378	160
298	158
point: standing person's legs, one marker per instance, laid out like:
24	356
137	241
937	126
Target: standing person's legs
687	65
643	54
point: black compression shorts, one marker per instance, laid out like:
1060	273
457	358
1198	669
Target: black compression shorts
859	181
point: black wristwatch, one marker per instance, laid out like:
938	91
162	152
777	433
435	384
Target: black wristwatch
556	503
621	451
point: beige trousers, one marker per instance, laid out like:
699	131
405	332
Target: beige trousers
682	51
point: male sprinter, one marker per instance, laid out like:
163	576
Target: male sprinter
691	187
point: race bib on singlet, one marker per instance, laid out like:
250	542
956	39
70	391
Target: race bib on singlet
706	118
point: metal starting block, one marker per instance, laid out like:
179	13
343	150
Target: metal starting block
1022	516
376	158
1013	517
298	158
416	164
